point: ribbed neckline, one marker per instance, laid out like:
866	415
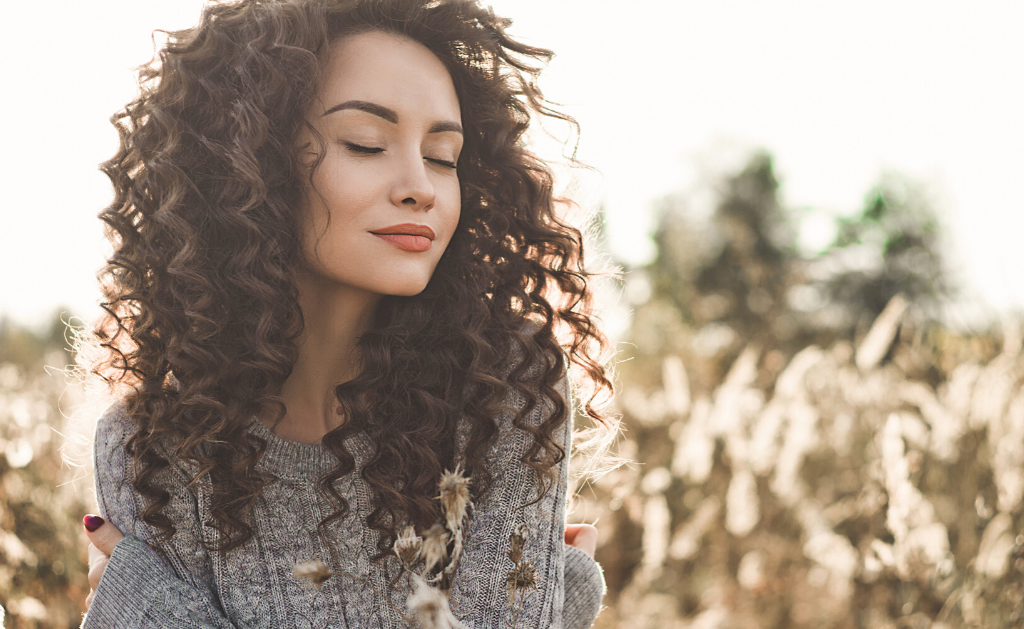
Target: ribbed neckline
293	459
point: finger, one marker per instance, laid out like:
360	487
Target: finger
102	533
570	532
96	571
88	599
95	554
582	536
97	563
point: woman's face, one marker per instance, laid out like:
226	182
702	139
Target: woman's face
390	117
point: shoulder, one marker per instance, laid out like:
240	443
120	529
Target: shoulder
115	497
530	343
113	428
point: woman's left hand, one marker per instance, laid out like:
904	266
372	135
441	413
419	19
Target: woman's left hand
582	536
103	536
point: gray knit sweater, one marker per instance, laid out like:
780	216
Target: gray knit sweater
181	585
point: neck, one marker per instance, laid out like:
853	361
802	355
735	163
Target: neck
334	317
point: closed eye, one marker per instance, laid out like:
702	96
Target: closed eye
357	148
443	162
371	150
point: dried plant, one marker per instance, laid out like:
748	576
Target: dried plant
435	550
454	498
315	572
516	542
879	484
522	578
409	546
429	606
433	557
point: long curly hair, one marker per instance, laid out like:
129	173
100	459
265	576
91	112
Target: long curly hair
201	312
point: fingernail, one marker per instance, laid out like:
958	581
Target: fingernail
92	522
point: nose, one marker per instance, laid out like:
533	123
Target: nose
412	187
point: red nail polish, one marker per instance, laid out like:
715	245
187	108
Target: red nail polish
93	522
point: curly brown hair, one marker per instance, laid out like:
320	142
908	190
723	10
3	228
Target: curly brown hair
202	313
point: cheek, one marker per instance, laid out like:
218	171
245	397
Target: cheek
325	220
454	205
343	197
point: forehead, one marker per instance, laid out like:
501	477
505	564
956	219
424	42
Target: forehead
392	71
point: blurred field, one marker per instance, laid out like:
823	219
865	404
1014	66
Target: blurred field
840	488
810	445
42	549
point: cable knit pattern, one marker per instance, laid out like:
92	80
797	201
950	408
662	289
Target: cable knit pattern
180	585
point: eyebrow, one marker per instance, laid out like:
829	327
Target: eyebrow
391	115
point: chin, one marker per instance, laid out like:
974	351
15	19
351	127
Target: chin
408	284
409	290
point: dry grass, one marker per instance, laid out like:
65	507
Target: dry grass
42	545
850	488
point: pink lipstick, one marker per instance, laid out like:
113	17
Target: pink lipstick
407	236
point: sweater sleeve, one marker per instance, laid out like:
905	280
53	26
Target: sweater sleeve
569	583
141	588
584	589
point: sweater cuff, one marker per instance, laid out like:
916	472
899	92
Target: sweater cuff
584	589
134	577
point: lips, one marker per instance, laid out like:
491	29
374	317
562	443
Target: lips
407	236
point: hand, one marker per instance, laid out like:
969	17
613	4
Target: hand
582	536
103	536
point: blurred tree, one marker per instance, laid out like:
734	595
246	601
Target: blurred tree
746	282
718	283
892	246
722	281
736	274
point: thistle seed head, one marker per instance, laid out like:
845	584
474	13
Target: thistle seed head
409	546
435	547
522	577
454	497
429	606
314	571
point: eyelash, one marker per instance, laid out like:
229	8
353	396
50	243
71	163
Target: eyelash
369	150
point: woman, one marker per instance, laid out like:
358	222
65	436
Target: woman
337	273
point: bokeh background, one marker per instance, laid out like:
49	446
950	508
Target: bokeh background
815	212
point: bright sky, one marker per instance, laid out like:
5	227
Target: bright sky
838	92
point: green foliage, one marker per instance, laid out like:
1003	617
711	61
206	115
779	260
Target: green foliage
737	277
892	246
